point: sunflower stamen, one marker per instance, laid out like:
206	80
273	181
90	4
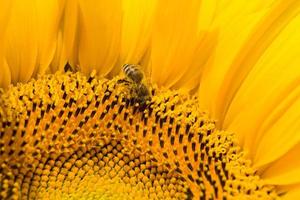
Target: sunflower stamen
68	136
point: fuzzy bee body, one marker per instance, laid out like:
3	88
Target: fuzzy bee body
139	90
133	72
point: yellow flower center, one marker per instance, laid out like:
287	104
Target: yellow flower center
70	136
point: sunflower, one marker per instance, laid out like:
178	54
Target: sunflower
221	119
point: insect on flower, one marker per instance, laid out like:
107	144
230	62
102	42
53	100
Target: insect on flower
134	79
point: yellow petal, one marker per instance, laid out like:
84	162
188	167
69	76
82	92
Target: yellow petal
31	37
286	170
206	14
263	112
227	10
281	129
207	40
244	33
99	35
68	36
5	77
174	40
290	192
5	8
59	59
292	195
48	18
190	79
22	38
136	29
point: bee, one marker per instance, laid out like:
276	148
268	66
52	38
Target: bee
133	72
135	76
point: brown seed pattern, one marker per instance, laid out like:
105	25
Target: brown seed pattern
70	136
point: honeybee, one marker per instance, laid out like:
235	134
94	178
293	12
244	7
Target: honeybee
135	76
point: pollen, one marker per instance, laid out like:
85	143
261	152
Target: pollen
68	136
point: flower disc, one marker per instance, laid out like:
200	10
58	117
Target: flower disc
67	136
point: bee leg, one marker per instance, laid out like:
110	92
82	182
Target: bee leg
123	81
133	93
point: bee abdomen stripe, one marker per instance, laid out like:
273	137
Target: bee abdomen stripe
128	67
